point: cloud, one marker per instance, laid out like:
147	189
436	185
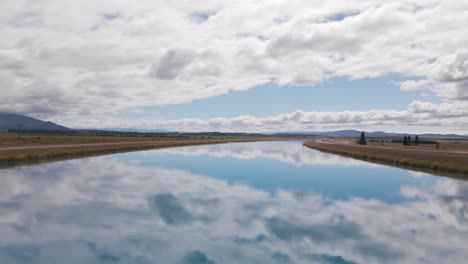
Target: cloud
413	86
66	59
453	116
172	64
423	107
26	19
457	91
451	68
447	77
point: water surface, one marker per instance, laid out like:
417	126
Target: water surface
267	202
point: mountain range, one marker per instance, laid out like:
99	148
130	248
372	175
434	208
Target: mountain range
9	121
12	121
356	133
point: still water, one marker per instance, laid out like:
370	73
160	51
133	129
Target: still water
267	202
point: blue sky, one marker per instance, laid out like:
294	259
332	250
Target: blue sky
336	94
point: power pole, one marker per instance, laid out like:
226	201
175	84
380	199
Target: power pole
19	133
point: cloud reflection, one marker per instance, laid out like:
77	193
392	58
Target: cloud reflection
291	152
100	210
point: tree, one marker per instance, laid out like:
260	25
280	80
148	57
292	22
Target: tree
409	141
362	140
416	140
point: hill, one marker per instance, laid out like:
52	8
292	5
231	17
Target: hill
10	122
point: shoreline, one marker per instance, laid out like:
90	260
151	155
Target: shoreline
446	163
30	155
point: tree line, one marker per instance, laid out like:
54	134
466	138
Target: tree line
406	140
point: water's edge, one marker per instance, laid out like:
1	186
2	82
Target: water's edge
407	166
117	149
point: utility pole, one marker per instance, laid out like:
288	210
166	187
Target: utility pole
19	133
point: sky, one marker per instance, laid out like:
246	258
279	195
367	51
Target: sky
237	66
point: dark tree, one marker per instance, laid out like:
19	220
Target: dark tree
409	141
405	141
362	140
416	140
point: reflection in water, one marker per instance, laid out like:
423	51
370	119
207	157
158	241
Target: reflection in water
288	152
283	166
104	210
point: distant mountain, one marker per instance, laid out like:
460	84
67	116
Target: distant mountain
339	133
356	133
384	134
137	130
11	121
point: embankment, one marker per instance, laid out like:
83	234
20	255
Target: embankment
10	157
424	160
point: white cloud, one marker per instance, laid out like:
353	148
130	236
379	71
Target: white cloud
452	67
414	86
62	59
426	116
447	77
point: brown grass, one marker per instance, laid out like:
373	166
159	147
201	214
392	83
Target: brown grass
435	161
11	139
55	151
448	145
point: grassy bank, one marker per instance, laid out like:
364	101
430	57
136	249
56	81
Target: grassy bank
15	157
425	160
11	139
444	144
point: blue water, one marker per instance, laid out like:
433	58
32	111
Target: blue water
266	202
339	178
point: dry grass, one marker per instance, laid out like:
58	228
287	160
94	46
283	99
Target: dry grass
447	145
11	139
438	161
13	157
